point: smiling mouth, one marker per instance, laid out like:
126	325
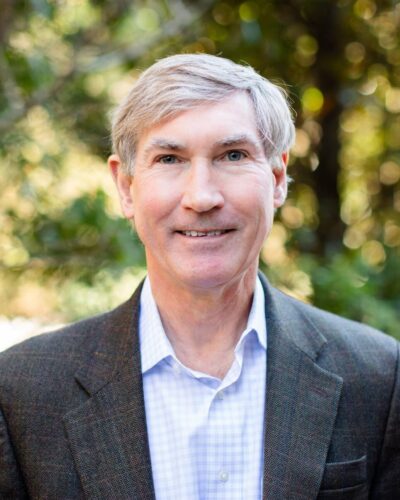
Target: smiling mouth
202	234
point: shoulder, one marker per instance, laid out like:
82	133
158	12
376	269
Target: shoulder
341	331
343	344
343	335
58	341
58	354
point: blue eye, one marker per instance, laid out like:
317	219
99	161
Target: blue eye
235	155
168	159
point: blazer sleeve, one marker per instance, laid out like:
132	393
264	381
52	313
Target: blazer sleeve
386	485
11	482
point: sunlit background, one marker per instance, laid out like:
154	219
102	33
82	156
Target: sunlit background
65	253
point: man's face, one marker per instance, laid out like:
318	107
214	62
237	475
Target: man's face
203	194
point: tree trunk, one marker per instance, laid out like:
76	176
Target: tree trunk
327	27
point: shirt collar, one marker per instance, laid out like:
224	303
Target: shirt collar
154	343
256	321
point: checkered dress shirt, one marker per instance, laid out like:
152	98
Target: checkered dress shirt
205	434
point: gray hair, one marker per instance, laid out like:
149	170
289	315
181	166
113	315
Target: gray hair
180	82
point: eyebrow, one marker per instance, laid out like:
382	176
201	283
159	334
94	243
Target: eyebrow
165	144
238	139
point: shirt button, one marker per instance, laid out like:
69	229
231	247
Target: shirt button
220	395
223	476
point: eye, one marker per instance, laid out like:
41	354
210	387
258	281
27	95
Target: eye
235	155
167	159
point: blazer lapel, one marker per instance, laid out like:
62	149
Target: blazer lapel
301	404
107	433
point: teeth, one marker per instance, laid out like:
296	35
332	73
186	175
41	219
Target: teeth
201	233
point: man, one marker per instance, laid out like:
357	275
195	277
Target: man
208	383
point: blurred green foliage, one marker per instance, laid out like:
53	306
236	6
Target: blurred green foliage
64	251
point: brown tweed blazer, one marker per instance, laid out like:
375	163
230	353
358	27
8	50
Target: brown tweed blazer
73	425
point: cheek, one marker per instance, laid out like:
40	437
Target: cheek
253	197
261	211
157	189
152	212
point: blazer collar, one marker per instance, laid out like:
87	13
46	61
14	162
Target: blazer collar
113	348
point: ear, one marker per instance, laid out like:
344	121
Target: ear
123	182
280	181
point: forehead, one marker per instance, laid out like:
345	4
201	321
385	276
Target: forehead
211	122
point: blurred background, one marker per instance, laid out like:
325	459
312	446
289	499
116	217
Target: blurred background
65	252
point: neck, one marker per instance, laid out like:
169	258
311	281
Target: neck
204	326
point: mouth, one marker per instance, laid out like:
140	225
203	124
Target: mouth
201	234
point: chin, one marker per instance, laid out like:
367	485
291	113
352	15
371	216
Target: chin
208	278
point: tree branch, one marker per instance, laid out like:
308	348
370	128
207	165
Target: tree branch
177	25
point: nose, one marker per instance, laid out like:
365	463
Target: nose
202	191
